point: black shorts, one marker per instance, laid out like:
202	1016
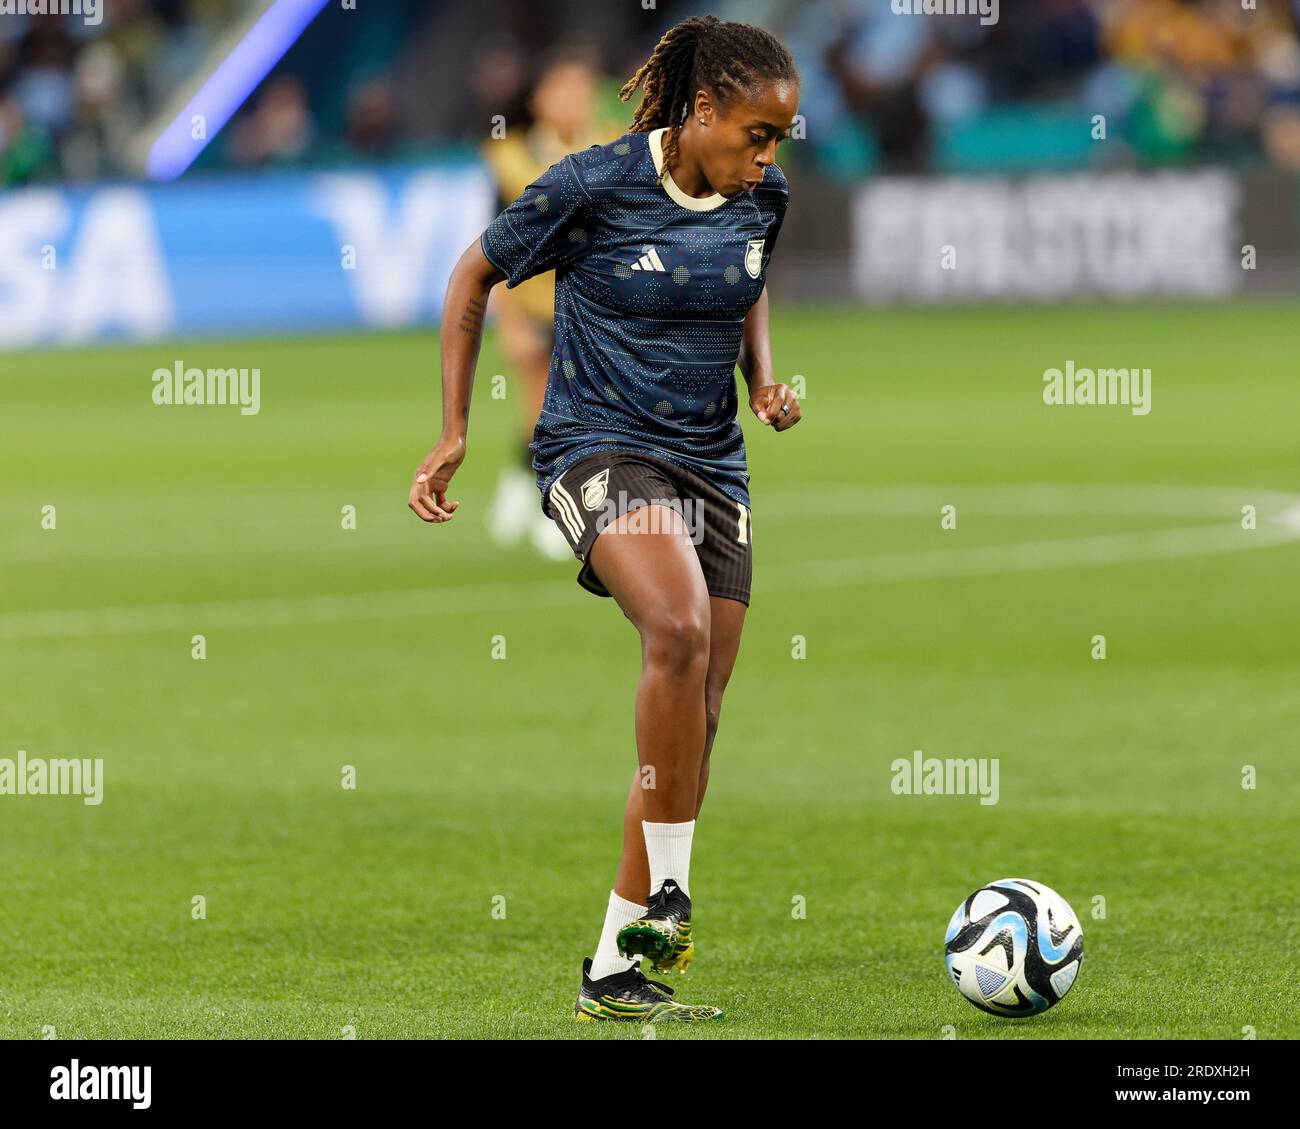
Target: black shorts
597	489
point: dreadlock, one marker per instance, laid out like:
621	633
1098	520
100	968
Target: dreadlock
703	53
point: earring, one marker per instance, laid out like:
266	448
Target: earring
701	121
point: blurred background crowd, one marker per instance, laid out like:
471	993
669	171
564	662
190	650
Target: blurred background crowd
1179	82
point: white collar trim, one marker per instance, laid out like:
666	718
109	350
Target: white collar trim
694	204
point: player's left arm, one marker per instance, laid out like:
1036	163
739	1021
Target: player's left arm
773	403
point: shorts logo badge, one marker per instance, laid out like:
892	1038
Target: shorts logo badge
754	257
595	489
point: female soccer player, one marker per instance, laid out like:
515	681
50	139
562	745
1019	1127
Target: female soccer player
660	242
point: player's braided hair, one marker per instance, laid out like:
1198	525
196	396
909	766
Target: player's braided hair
703	53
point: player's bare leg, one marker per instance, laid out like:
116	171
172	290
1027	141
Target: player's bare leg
648	563
727	618
649	566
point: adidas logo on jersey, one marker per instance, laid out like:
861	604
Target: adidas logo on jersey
650	261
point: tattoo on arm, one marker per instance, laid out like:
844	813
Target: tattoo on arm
471	320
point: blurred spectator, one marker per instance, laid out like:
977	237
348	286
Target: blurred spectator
43	85
26	154
879	63
83	90
498	80
372	122
278	131
104	118
371	131
1177	80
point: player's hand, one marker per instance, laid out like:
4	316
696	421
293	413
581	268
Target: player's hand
432	477
776	406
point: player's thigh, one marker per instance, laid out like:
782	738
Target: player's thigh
647	561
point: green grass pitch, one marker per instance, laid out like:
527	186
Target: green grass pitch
456	889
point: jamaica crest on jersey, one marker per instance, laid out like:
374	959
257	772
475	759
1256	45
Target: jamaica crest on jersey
754	257
595	489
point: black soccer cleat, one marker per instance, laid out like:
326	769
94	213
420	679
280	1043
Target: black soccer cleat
663	932
628	997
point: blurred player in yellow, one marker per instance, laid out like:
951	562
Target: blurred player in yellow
562	110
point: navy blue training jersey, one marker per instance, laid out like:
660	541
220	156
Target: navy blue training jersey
651	291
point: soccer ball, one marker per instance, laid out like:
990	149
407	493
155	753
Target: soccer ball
1014	947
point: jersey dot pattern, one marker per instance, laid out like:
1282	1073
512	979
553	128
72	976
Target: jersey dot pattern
652	289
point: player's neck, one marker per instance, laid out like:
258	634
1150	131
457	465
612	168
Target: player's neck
686	171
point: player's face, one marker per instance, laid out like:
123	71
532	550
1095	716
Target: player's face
743	137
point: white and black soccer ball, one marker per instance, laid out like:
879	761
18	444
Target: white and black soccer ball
1014	947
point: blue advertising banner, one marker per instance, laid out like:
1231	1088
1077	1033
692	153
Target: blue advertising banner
275	252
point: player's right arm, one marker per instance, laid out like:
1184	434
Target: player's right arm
533	235
463	311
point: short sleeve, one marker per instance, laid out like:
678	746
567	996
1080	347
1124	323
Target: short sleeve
541	230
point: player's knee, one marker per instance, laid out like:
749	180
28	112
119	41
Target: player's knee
677	640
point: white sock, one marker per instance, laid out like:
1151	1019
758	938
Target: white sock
668	846
608	960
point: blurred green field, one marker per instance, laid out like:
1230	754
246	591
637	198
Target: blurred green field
481	780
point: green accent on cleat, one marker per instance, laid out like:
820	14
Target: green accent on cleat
612	1010
678	960
678	956
628	997
653	939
